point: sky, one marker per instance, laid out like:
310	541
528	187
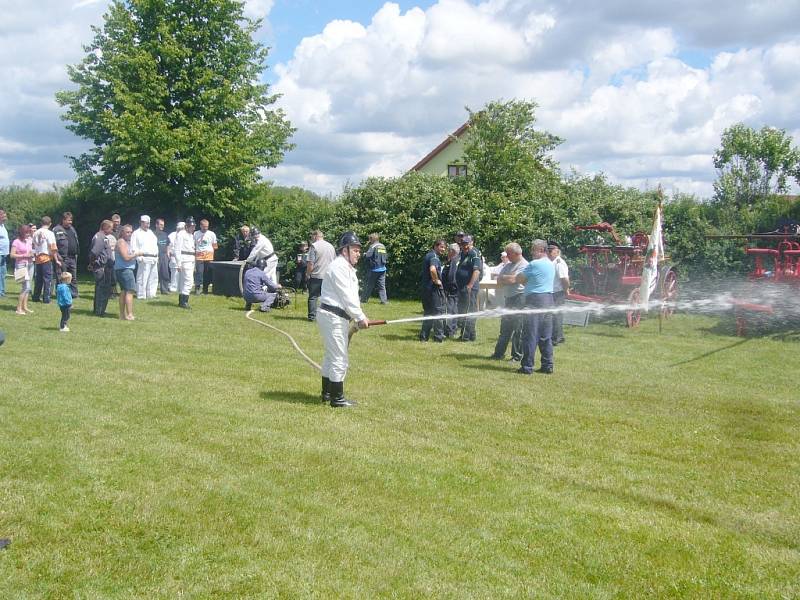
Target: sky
639	90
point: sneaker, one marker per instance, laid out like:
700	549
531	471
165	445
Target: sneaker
545	370
522	371
64	329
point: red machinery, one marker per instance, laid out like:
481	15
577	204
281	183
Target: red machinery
613	272
776	266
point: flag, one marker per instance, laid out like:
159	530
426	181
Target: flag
654	253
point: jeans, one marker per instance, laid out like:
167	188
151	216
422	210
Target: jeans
64	315
375	279
3	267
202	275
537	332
43	275
511	329
314	292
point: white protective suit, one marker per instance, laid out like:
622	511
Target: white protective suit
184	261
263	249
145	242
339	289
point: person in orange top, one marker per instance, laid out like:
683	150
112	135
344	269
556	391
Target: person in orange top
205	242
45	253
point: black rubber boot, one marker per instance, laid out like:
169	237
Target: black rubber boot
337	395
326	389
183	301
248	305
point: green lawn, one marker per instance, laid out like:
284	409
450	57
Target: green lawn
186	454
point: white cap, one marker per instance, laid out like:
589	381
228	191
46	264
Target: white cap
180	226
145	218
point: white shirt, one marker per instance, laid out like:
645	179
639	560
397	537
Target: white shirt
340	288
184	247
43	239
562	272
145	242
205	241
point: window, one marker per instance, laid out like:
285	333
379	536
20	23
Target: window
456	171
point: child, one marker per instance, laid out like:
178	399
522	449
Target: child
64	297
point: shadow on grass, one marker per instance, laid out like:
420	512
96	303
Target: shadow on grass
607	334
710	353
292	397
757	326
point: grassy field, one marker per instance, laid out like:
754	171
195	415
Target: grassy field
186	454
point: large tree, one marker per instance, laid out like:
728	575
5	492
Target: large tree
752	165
504	151
168	94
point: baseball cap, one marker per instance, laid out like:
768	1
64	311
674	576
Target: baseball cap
467	239
145	218
552	244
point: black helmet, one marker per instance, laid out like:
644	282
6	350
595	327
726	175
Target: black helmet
349	238
261	262
189	221
254	231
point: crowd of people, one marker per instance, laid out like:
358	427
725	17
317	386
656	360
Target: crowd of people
140	263
453	288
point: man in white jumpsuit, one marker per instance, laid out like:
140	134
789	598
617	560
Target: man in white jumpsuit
144	241
173	266
262	248
184	260
339	304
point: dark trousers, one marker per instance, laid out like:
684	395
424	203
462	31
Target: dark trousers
314	292
433	304
163	273
468	302
202	274
103	285
559	299
451	325
300	280
43	285
69	265
537	332
511	329
64	315
375	279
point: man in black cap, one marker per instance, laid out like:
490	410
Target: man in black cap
468	275
67	245
560	289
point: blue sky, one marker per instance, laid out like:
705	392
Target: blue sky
640	90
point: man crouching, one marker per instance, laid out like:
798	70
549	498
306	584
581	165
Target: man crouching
259	287
339	303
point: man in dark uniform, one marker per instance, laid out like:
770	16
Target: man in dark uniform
163	257
259	287
433	297
300	265
67	245
468	275
451	288
101	264
375	259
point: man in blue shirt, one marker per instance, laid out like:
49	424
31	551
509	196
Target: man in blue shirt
538	328
5	248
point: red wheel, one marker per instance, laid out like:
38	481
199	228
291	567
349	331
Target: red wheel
669	293
633	315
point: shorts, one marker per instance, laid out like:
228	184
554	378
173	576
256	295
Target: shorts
126	280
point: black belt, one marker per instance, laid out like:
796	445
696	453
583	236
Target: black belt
339	312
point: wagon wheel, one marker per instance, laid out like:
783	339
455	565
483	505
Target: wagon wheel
634	315
669	293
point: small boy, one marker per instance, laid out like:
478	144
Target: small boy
64	298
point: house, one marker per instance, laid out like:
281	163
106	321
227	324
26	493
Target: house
448	157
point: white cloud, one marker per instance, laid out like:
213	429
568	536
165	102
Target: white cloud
613	87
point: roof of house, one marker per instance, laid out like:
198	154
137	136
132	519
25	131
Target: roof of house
448	140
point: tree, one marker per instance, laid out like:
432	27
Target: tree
504	151
167	95
752	165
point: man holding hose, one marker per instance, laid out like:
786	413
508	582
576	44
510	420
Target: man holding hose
339	304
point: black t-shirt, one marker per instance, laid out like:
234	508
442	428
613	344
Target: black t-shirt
431	260
163	241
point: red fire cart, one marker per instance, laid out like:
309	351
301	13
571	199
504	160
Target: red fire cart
613	272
